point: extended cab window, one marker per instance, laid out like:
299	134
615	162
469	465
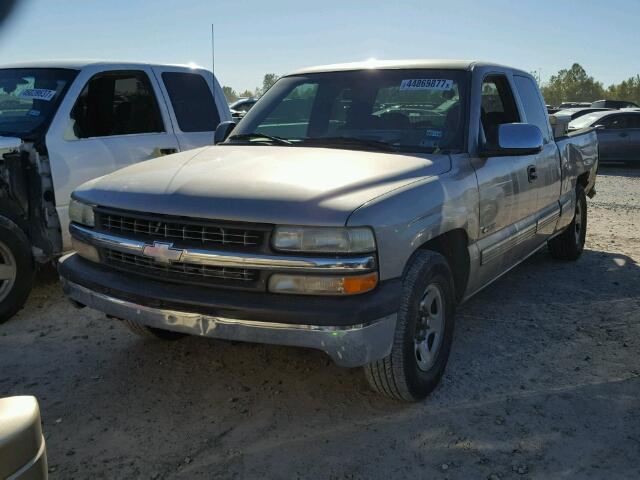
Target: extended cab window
498	106
534	109
413	110
192	101
115	103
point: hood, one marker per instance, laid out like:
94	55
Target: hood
262	184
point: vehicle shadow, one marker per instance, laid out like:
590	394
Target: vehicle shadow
619	170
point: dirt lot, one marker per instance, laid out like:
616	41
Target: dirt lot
543	382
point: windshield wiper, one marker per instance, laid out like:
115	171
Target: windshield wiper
249	136
350	141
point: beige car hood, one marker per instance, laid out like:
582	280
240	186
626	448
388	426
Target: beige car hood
270	184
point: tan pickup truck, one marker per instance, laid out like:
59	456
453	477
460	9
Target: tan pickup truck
351	210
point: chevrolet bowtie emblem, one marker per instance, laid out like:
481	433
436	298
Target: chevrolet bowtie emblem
162	252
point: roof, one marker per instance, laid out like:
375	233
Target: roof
77	64
593	116
398	64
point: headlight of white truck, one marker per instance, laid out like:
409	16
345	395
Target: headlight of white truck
324	239
81	213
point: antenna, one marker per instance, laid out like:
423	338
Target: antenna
213	53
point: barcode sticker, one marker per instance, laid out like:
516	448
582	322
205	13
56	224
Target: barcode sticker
426	84
38	94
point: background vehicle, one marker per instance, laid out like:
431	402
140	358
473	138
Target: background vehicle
361	226
240	107
574	113
565	105
618	134
23	454
63	123
613	104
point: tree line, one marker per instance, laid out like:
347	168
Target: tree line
268	80
568	85
575	85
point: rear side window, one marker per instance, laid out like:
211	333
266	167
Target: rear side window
533	107
616	122
498	106
116	103
192	101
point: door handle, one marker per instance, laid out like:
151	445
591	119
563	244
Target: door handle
624	134
532	175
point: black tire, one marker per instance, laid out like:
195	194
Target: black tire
399	375
152	332
569	245
15	256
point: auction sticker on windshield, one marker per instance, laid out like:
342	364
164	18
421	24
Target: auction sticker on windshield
38	94
426	84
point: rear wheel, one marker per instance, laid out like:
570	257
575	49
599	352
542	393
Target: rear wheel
424	332
152	332
16	271
569	245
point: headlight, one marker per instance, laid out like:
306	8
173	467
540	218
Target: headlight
81	213
324	239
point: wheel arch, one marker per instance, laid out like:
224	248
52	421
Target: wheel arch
453	246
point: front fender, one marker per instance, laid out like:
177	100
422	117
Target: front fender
407	218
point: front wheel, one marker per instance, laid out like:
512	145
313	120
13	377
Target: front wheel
16	271
423	335
569	245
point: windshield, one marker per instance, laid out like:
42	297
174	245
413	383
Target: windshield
29	98
417	110
585	121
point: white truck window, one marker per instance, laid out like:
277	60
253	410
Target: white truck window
192	101
116	103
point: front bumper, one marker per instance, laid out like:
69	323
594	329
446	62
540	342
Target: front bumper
353	331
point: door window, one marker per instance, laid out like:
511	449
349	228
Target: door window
533	107
115	103
192	101
616	122
292	113
498	106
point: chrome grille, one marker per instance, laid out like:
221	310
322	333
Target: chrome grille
176	230
180	271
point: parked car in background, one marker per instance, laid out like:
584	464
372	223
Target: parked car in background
240	107
618	134
23	452
63	123
360	226
574	113
617	104
565	105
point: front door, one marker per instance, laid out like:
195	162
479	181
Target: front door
508	199
109	120
619	138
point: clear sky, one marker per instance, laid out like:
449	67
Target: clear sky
256	37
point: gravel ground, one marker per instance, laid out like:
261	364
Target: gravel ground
543	382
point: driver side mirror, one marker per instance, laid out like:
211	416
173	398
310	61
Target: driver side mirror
599	127
223	131
515	139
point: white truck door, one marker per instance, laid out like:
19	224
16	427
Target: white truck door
112	117
196	104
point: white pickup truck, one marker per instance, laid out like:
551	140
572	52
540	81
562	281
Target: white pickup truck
63	123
